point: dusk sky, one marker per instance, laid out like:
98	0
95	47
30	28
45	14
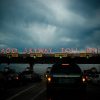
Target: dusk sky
49	24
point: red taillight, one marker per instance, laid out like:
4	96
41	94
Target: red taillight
17	78
87	77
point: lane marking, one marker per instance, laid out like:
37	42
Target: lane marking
19	93
38	94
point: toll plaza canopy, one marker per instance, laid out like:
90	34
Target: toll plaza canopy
50	58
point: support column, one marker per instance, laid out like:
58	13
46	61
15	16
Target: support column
31	67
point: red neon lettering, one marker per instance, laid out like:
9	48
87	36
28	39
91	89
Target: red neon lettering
8	50
14	50
2	51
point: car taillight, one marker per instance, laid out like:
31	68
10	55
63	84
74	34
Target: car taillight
87	77
17	78
49	79
83	79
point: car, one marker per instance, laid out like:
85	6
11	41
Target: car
88	75
66	77
30	76
11	77
96	79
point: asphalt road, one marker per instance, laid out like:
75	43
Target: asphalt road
37	91
92	93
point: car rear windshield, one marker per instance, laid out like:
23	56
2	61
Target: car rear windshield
66	69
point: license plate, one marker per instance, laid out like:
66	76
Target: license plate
69	81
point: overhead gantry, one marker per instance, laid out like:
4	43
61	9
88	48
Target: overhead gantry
51	58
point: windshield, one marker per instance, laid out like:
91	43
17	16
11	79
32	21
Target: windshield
66	69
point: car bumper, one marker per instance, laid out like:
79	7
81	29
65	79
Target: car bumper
65	87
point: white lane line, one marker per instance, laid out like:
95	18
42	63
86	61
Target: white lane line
38	94
19	93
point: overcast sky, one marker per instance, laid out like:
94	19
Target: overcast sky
49	23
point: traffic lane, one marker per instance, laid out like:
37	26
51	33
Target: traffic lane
61	95
10	91
38	92
93	93
28	93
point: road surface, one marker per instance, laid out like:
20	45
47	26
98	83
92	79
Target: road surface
37	91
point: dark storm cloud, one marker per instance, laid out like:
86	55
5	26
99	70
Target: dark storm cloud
49	23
